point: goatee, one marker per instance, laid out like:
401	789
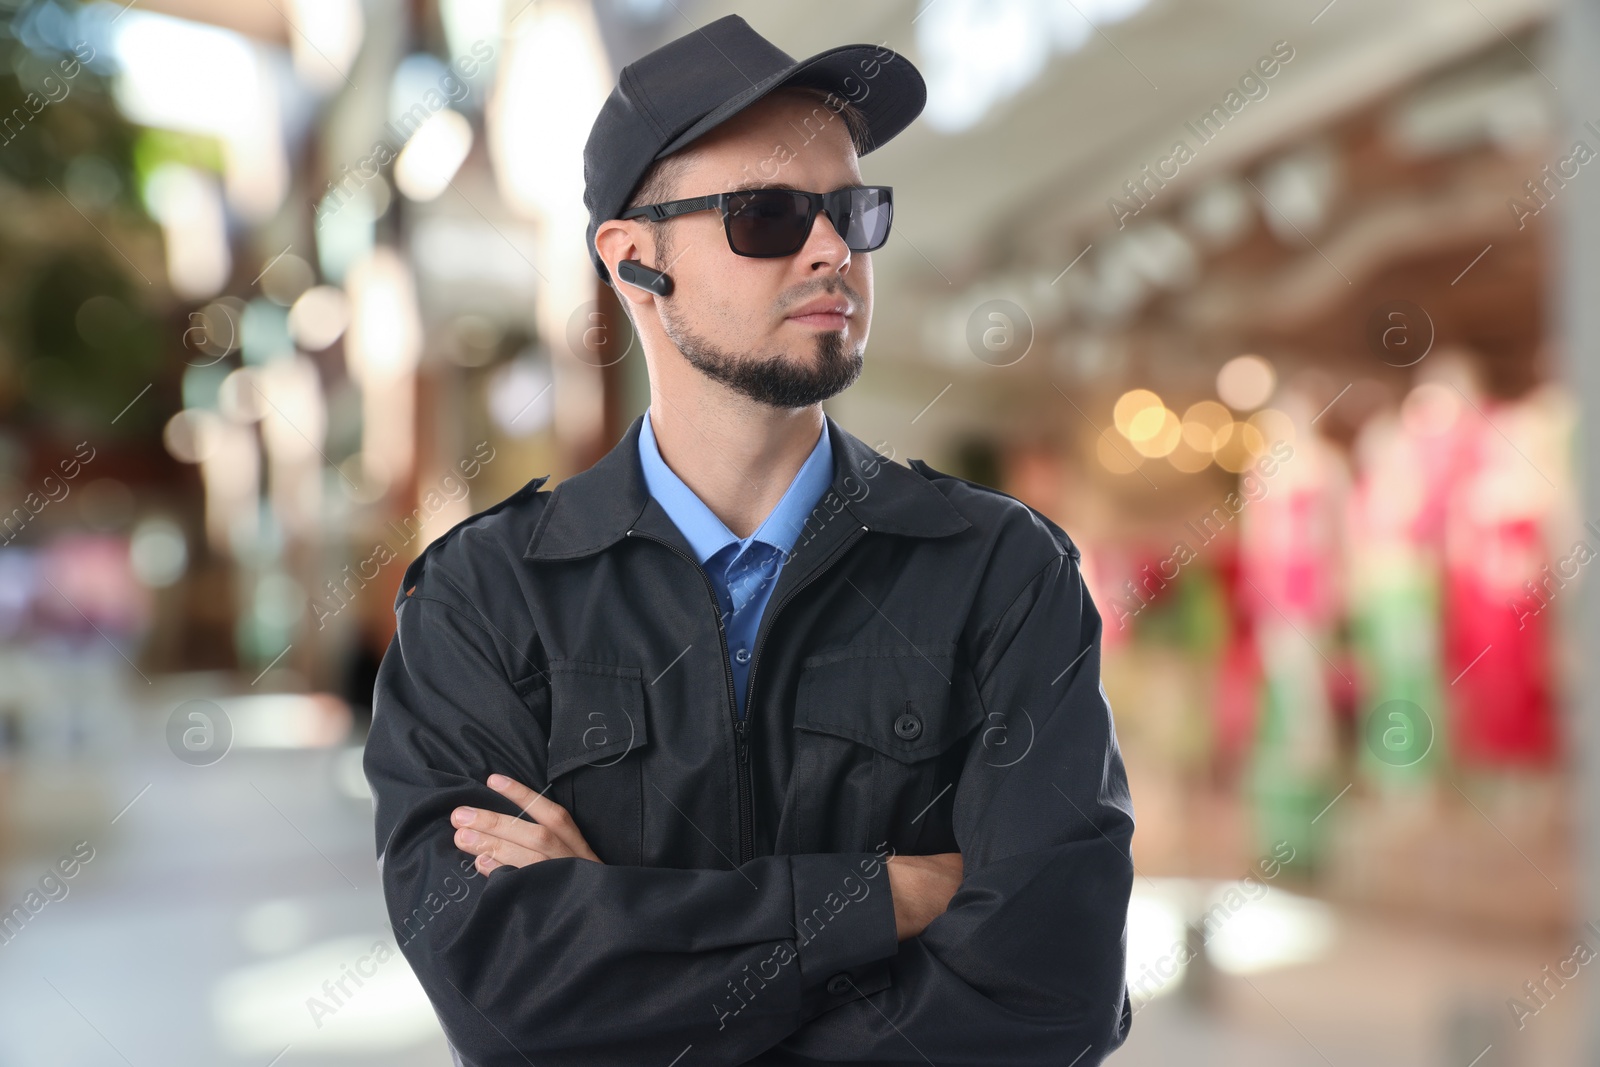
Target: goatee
775	380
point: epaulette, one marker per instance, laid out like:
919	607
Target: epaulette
1066	543
408	582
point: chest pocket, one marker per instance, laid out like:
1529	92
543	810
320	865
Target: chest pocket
598	733
876	754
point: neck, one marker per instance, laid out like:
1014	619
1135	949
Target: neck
737	457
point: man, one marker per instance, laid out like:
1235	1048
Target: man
749	745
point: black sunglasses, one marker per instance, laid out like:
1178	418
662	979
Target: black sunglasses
768	223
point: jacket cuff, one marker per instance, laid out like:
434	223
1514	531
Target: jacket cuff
844	927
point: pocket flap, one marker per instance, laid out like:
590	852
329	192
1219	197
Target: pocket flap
597	714
903	700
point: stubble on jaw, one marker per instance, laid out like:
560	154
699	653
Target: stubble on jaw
773	379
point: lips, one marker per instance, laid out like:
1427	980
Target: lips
827	313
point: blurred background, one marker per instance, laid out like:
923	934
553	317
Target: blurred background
1285	311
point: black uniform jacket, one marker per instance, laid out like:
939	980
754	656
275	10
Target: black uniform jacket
926	679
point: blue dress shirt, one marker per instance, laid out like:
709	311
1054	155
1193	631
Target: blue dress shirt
743	570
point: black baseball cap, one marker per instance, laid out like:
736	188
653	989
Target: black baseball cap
667	98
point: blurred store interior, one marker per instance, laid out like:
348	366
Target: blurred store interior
1284	311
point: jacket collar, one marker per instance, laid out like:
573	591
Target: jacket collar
593	509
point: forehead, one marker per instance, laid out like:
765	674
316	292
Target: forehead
783	138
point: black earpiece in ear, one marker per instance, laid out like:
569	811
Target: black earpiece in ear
635	273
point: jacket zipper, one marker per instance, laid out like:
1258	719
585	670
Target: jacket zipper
741	725
741	751
769	619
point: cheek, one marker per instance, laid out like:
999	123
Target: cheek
863	286
725	304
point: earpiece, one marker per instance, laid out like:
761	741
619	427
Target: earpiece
635	273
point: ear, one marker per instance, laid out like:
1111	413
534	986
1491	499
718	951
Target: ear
617	240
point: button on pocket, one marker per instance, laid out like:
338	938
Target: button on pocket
598	734
876	732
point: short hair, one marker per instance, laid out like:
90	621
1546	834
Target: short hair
660	182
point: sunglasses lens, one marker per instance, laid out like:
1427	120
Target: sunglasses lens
776	222
866	222
767	222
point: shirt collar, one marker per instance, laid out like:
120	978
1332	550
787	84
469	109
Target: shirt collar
591	510
708	534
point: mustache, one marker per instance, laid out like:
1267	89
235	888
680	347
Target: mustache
832	287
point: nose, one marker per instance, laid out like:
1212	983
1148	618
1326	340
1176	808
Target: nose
824	247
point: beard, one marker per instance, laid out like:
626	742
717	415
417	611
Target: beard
774	380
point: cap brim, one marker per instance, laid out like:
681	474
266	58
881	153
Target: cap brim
883	84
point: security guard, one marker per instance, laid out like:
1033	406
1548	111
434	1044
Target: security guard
749	745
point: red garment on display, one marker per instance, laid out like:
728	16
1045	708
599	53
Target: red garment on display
1503	704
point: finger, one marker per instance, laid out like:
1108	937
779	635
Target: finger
529	837
499	851
541	809
519	832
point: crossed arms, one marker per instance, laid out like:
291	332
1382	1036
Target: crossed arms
555	958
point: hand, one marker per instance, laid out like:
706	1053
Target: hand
508	841
921	887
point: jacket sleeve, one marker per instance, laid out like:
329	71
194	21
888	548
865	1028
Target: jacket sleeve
570	961
1027	965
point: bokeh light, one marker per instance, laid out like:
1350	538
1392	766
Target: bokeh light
1246	382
